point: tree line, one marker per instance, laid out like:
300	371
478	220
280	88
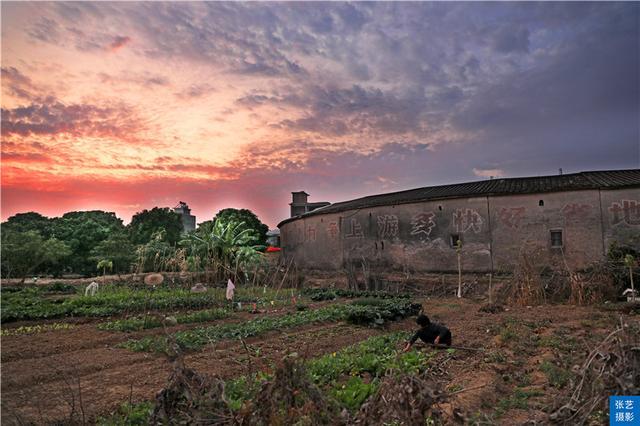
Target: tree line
94	242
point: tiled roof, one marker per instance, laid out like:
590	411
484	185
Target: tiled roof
504	186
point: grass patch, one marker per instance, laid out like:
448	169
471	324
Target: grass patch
455	388
558	377
508	333
562	343
519	400
496	357
128	414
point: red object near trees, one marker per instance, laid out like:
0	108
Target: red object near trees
273	249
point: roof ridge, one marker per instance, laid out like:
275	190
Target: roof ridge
593	179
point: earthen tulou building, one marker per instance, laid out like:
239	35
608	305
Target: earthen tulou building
571	218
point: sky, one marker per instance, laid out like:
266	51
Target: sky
126	106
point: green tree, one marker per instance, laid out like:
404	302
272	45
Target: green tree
82	231
30	221
249	221
115	248
148	222
26	253
205	227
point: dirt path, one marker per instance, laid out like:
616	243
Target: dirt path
510	364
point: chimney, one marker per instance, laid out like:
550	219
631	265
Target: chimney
298	203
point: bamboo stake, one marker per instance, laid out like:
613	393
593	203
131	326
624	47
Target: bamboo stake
468	389
463	348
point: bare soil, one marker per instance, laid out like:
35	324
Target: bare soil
47	376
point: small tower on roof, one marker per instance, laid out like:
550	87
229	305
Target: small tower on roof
188	220
300	205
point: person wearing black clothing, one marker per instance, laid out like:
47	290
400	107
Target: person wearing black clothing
430	332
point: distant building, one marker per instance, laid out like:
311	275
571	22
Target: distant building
188	220
273	238
300	205
569	219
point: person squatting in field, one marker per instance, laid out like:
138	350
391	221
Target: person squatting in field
430	332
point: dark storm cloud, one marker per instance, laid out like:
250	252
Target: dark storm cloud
579	108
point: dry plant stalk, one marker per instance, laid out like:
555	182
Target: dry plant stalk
190	398
291	395
527	287
612	368
352	279
405	400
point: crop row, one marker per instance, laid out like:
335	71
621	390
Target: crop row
32	303
349	376
35	329
146	322
318	294
195	339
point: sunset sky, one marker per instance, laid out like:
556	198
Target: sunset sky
127	106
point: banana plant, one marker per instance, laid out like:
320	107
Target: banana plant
105	264
227	244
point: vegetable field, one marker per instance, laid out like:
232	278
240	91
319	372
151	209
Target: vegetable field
69	358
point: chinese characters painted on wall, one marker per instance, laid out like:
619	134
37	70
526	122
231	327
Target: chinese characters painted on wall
422	224
512	216
467	219
387	226
628	211
354	230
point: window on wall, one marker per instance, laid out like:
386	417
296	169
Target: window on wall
556	238
454	240
541	203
